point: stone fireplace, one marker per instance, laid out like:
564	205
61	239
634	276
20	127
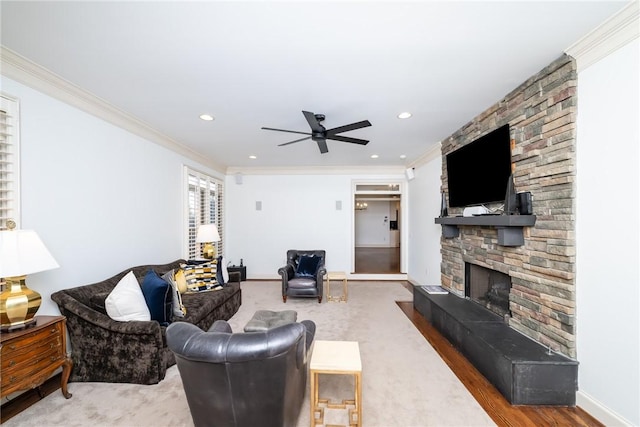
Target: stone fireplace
541	113
489	288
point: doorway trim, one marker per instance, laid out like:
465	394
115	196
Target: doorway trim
404	221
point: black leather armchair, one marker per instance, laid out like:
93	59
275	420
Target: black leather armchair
295	285
243	379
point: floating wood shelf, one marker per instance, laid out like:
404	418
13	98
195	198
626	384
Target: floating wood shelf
510	227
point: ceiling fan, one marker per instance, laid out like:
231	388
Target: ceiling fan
320	135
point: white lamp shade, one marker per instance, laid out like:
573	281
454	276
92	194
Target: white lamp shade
22	252
207	233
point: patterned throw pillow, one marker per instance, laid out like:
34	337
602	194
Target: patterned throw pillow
201	277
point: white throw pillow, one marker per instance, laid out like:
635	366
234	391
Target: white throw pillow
225	273
126	301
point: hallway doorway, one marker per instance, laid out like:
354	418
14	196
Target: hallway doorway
377	228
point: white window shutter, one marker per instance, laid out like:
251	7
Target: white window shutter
9	161
204	206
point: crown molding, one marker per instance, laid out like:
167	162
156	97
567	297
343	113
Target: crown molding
608	37
432	153
24	71
318	170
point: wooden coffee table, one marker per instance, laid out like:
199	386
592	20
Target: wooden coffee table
338	358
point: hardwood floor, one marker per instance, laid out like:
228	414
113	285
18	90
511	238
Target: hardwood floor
377	260
498	408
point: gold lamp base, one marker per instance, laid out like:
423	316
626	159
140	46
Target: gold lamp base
18	304
209	251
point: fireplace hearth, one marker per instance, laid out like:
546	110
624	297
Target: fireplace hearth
524	371
489	288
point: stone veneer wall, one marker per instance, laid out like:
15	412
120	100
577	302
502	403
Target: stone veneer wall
542	116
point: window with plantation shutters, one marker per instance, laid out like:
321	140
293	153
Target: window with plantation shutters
9	161
204	206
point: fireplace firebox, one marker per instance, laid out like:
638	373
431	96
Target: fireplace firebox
487	287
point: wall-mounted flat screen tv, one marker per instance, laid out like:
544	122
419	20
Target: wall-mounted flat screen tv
478	172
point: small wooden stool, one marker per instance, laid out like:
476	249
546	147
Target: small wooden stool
337	275
339	358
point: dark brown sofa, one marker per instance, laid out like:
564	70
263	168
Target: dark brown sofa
106	350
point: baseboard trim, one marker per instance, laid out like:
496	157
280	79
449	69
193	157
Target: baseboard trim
350	277
359	276
600	412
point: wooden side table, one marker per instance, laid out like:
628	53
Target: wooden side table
339	358
337	275
29	356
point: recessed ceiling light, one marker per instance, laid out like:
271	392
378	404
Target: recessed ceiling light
404	115
403	156
374	156
206	117
253	157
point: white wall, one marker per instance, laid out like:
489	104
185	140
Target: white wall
608	298
298	212
100	198
371	228
424	233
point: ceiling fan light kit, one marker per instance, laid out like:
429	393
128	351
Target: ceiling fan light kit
320	134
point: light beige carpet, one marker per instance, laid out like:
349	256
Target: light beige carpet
405	383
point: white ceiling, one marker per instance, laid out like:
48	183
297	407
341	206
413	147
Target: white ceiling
260	63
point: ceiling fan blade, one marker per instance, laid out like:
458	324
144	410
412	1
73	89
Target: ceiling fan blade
346	128
291	142
322	145
348	139
313	122
284	130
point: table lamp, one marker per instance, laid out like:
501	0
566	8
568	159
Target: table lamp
21	253
207	234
